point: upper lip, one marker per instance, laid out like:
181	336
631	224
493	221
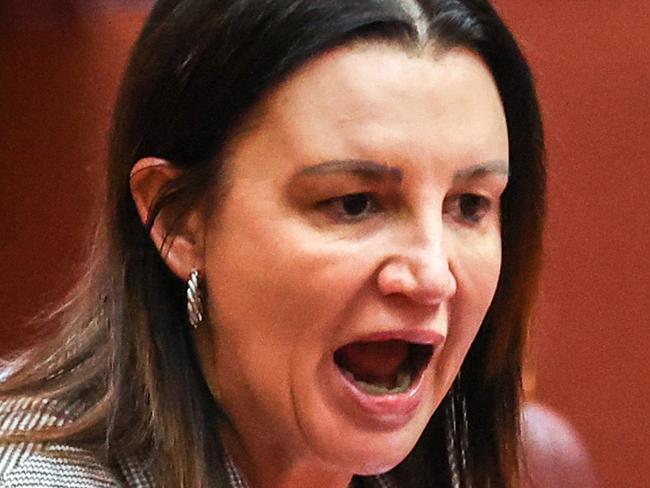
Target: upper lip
412	335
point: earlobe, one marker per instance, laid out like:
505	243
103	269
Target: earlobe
179	240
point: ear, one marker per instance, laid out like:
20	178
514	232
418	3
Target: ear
179	241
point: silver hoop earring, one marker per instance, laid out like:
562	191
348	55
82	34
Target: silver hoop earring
194	299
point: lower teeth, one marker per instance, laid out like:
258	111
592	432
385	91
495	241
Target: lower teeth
402	385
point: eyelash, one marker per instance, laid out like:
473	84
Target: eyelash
479	207
337	205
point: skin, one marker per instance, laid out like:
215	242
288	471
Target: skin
290	275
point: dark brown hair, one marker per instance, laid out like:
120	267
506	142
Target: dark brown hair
197	70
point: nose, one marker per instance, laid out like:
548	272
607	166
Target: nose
420	271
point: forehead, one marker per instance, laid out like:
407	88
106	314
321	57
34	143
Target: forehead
377	98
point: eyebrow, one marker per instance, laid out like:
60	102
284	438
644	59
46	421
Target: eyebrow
367	169
375	171
495	166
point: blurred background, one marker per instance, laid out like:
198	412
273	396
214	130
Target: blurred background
60	65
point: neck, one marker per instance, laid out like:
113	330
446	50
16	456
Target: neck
267	465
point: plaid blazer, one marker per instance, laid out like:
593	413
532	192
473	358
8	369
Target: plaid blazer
52	465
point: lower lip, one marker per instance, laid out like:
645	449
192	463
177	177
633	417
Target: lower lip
390	410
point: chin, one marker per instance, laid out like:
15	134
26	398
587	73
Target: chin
382	460
366	452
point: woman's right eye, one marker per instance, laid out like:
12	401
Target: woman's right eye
351	208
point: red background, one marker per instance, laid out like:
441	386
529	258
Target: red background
60	66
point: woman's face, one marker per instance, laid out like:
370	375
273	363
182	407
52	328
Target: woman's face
355	255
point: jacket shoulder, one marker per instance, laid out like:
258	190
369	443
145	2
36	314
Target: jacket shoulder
55	465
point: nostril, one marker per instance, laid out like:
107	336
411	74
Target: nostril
435	290
426	283
395	277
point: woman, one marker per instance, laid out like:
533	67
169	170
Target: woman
347	198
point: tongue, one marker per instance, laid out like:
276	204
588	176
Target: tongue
375	362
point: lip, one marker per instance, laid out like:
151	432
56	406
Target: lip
416	336
394	410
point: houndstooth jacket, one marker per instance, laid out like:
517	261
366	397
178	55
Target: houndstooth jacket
28	465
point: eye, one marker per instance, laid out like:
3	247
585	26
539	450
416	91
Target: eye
357	204
470	208
352	207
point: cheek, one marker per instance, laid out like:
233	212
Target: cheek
476	264
277	284
278	293
476	267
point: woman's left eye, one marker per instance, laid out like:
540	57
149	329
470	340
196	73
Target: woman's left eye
470	207
352	207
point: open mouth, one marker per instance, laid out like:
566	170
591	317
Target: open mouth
383	367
